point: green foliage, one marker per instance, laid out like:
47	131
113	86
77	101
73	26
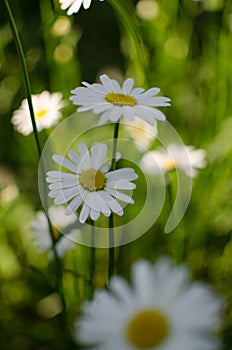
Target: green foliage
184	47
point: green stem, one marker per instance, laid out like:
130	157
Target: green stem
35	132
115	143
92	258
111	264
30	105
25	73
135	38
177	239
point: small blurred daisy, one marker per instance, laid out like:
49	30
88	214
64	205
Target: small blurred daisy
46	107
73	6
163	311
186	158
142	133
112	101
90	183
61	227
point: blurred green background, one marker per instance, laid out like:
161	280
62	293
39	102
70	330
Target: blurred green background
186	49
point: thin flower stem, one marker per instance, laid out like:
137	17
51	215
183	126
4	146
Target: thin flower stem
111	264
30	105
25	73
177	240
92	258
136	41
35	132
115	143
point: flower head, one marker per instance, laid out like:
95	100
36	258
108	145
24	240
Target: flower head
186	158
112	101
73	6
163	311
90	183
142	133
60	223
46	107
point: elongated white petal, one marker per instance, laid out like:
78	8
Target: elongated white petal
84	213
65	162
74	205
121	196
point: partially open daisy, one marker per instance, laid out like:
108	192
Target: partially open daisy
163	311
112	101
46	107
142	133
73	6
62	230
186	158
90	183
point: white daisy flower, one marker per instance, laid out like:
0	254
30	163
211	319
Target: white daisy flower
73	6
163	311
112	101
142	133
90	183
186	158
61	227
46	107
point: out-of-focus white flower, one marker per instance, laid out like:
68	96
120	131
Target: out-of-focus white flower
142	133
112	101
186	158
74	6
46	107
90	183
162	311
60	222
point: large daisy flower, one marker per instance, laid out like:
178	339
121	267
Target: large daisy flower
62	229
186	158
90	183
112	101
46	107
163	311
73	6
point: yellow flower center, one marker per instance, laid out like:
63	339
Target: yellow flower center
169	164
56	232
147	329
92	180
120	99
41	113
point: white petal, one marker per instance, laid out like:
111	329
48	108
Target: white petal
98	154
86	4
127	86
85	162
94	214
59	175
64	184
142	280
65	162
124	173
84	213
121	196
115	114
121	184
106	81
92	201
74	205
149	93
66	195
111	202
73	156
